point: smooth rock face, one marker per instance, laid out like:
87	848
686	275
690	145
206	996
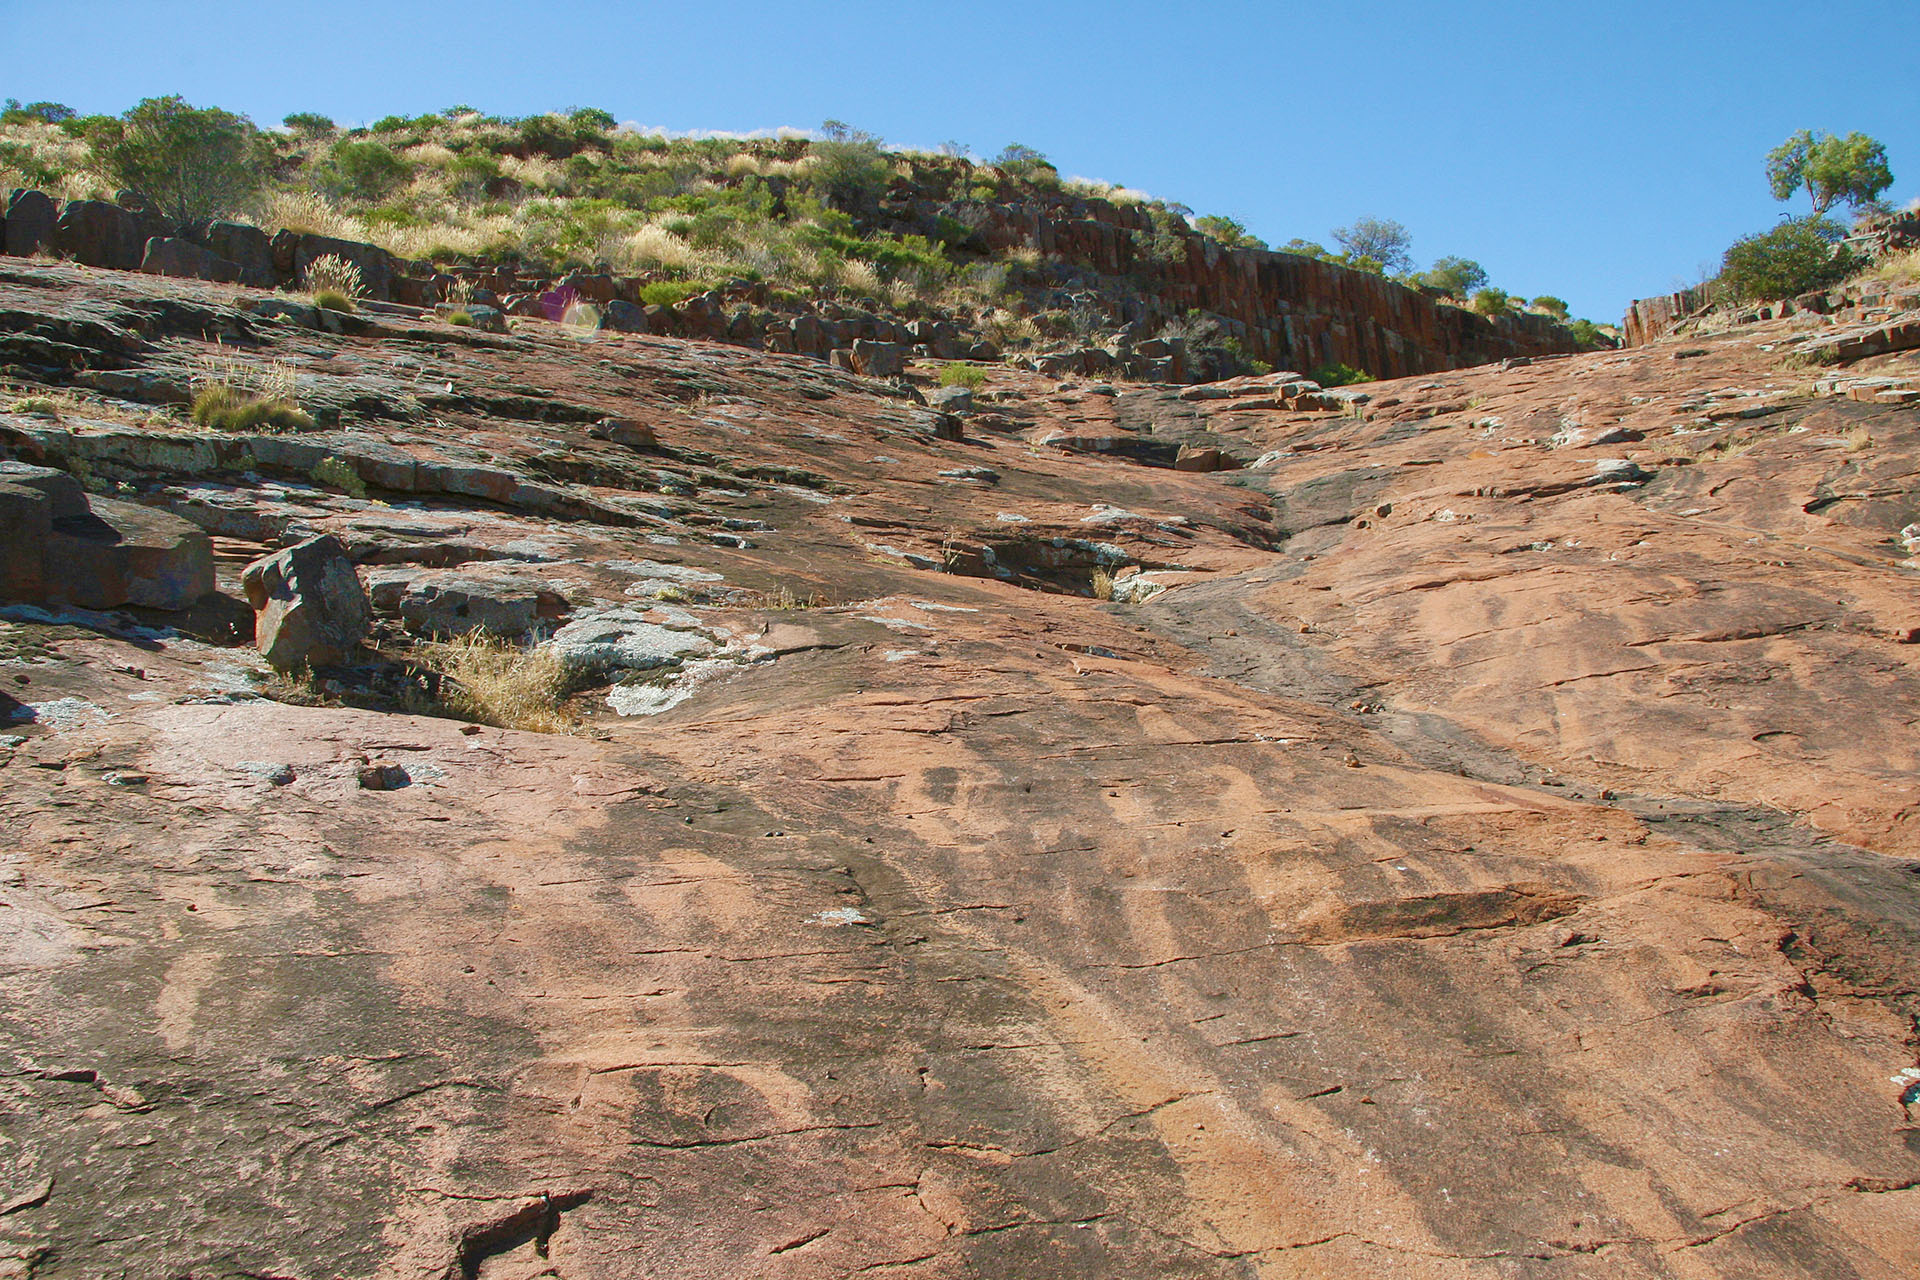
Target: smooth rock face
25	521
120	553
311	607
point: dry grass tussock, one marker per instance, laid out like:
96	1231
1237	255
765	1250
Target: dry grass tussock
231	395
1900	270
500	682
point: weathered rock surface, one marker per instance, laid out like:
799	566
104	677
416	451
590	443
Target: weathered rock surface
1469	850
312	609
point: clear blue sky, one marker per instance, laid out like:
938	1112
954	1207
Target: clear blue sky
1597	152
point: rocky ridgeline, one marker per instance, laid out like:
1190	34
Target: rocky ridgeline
1283	309
1650	319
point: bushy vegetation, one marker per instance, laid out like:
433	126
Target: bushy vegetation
1798	256
970	376
1339	375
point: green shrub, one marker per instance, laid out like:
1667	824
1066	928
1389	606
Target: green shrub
1491	301
460	319
972	377
194	162
1455	277
668	293
1228	231
340	474
364	170
1339	375
849	168
1551	305
224	407
1023	164
1798	256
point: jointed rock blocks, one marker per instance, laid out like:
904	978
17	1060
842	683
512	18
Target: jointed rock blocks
59	545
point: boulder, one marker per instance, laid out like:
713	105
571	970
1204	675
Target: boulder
172	256
120	553
951	399
624	640
624	316
877	359
1201	458
247	247
30	219
311	609
60	489
102	235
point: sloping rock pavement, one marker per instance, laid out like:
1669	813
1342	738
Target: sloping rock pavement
1490	854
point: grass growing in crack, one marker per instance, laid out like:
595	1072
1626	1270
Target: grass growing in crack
1101	585
233	396
227	408
502	683
334	283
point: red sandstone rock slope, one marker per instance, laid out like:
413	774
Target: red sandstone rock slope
1489	853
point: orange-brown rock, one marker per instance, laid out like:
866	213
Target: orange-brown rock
1460	847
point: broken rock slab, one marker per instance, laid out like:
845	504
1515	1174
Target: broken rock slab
56	544
453	602
310	607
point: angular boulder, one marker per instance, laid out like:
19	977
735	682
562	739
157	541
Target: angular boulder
120	553
310	609
877	359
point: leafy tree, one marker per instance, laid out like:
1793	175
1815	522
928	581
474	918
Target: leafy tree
1455	277
1306	248
193	162
1553	306
1383	240
592	118
1850	170
1798	256
309	124
44	112
1228	231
